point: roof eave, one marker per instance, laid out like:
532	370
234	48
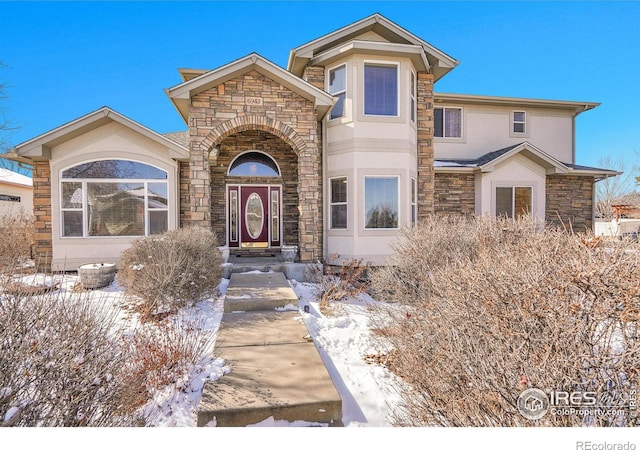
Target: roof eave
39	148
576	106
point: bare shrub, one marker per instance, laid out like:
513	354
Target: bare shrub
172	270
16	237
490	308
61	363
338	283
164	352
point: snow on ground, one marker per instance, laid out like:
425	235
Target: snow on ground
342	340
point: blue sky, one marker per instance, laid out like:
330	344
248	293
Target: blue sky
65	60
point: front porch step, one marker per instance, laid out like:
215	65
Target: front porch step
258	292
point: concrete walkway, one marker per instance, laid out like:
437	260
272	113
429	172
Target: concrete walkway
275	367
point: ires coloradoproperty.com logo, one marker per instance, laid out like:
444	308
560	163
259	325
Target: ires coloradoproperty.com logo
534	403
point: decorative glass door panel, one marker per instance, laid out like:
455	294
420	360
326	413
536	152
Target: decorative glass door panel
254	216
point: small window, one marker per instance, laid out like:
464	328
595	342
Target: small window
519	122
338	88
338	206
254	164
412	96
447	122
9	198
381	89
381	202
513	202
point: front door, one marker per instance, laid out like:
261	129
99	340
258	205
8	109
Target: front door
254	216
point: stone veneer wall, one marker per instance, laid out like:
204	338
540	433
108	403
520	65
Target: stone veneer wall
425	145
42	215
287	161
222	111
570	201
454	194
185	202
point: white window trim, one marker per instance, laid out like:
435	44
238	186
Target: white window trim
413	94
345	90
364	202
513	121
331	203
381	63
253	151
414	201
462	120
513	198
83	181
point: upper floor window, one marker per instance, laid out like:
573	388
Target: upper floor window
447	122
381	89
412	97
338	88
114	198
254	164
519	122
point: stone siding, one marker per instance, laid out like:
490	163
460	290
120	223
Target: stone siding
454	194
220	112
570	201
287	161
425	145
42	215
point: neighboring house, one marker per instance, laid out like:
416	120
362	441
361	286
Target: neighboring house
334	154
16	192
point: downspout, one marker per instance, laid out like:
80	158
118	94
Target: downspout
325	217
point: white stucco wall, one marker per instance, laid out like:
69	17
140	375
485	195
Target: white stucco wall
357	146
516	171
488	128
25	193
111	141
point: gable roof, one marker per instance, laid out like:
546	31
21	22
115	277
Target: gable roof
488	162
299	57
39	148
11	177
181	94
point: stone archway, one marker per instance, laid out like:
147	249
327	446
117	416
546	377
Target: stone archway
204	154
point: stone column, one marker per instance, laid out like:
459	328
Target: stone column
200	181
314	75
42	215
425	145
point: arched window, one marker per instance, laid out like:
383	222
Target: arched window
254	164
114	198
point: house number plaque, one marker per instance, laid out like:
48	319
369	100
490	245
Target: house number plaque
253	101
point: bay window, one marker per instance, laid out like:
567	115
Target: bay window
338	88
380	89
381	196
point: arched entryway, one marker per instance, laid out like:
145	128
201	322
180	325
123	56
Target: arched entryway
254	210
257	174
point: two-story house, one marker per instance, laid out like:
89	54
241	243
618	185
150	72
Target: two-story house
334	155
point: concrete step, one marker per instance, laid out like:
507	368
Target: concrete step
275	371
258	292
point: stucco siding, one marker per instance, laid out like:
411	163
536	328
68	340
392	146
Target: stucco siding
111	141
